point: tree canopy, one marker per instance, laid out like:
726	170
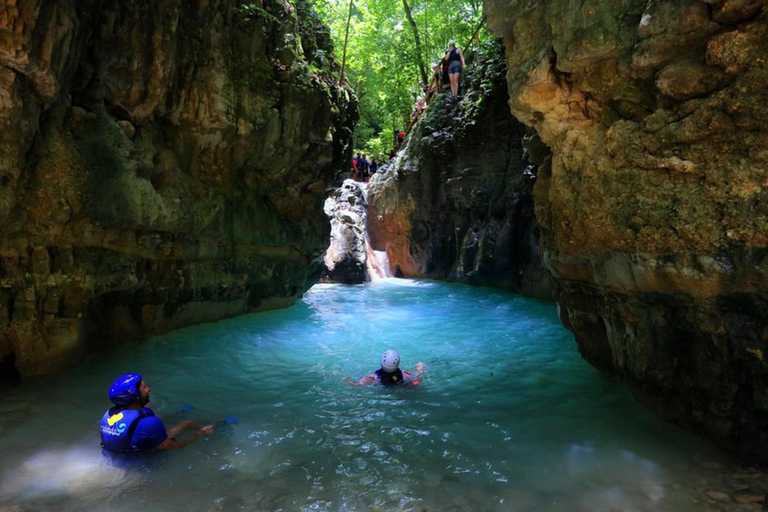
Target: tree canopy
382	54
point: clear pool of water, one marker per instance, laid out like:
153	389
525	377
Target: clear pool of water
508	417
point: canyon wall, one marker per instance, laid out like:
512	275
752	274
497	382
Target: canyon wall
653	206
163	163
457	201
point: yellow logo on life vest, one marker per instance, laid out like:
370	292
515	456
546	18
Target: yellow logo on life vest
394	379
114	419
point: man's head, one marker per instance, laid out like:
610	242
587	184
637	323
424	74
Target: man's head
129	389
390	361
452	42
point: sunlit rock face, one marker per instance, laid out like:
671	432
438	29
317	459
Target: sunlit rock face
345	260
653	207
457	203
163	163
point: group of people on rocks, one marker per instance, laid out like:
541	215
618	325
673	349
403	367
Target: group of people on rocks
445	74
130	426
362	168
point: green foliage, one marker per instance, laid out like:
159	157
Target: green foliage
382	65
247	12
379	147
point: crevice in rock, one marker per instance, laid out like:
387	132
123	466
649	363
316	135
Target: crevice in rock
560	78
9	374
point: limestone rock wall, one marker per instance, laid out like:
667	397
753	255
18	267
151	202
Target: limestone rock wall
163	163
345	260
456	203
653	206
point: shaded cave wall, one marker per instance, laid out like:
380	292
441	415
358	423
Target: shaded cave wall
163	163
457	201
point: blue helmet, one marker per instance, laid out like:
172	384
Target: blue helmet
125	390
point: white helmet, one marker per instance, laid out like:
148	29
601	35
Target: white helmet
390	361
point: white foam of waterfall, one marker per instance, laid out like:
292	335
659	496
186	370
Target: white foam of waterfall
376	262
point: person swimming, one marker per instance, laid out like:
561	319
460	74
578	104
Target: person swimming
130	426
390	373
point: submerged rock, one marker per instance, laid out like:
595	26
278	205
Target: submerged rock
457	202
719	496
163	164
653	211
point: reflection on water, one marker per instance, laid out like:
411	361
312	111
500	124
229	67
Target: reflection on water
508	418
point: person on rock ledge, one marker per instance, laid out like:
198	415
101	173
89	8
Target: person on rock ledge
390	373
130	426
456	65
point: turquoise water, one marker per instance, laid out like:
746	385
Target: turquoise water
508	417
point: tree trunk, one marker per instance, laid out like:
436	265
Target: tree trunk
415	29
346	38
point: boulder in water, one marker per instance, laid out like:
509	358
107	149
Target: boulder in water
345	259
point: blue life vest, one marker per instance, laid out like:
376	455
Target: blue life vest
118	426
390	379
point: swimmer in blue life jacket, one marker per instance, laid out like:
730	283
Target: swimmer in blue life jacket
390	373
130	426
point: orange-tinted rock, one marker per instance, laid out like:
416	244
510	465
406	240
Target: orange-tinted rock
653	214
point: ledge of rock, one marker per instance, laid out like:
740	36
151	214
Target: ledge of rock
162	164
653	210
457	201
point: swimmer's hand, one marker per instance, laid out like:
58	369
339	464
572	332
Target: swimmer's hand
419	370
171	443
205	431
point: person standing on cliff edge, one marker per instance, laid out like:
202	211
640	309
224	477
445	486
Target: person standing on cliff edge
456	65
130	426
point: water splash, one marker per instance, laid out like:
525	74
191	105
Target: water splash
376	262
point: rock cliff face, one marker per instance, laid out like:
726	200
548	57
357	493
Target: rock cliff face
457	201
346	258
163	163
653	207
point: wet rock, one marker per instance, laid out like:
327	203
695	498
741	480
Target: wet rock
128	129
749	498
456	203
345	259
652	209
718	496
158	169
738	485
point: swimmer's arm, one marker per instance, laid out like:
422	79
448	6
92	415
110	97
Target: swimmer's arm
368	379
418	373
181	427
171	443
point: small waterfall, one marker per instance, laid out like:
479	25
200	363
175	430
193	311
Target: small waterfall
376	262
